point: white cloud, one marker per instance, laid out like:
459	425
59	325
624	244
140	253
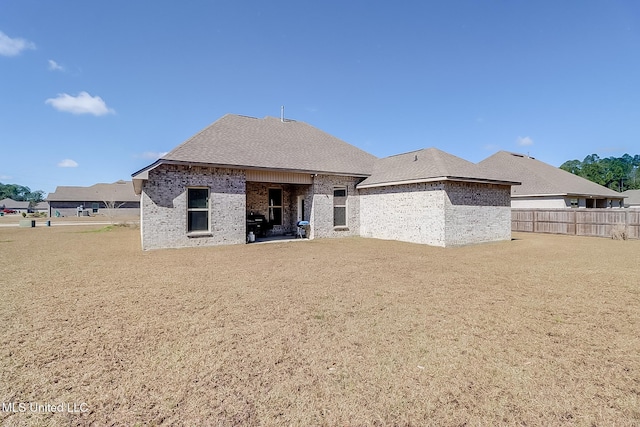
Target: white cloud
152	155
68	163
54	66
13	47
81	104
524	141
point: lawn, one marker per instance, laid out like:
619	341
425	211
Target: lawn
541	330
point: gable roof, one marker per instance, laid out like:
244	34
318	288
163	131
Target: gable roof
9	203
633	197
542	179
119	191
269	143
429	164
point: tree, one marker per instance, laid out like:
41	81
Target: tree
572	166
111	207
35	197
20	193
617	173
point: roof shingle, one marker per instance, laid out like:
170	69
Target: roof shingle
273	144
539	178
426	164
633	197
120	191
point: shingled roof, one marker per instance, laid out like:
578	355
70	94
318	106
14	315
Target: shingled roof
120	191
270	143
9	203
541	179
429	164
633	197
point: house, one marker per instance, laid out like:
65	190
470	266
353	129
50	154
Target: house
115	199
14	205
242	174
23	206
632	200
548	187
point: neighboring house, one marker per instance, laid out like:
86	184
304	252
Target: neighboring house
20	207
116	199
548	187
14	205
241	169
633	198
42	207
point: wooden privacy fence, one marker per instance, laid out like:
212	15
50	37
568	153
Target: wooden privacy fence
578	221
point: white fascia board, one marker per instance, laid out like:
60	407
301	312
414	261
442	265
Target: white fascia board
436	179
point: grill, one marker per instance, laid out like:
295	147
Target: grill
256	223
303	229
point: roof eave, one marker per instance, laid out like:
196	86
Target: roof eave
143	174
589	196
436	179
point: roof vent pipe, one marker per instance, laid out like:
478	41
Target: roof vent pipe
282	114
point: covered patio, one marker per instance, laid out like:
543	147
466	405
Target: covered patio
275	202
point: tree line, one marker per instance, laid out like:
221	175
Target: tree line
616	173
21	193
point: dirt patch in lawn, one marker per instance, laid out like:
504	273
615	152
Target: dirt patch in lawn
542	330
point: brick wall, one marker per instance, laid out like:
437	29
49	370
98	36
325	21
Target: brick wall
321	194
439	214
409	213
164	206
477	213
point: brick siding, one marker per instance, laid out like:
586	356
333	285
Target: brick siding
163	221
439	214
322	206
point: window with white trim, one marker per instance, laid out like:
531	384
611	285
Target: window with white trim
340	207
197	209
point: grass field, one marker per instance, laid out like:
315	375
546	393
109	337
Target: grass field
542	330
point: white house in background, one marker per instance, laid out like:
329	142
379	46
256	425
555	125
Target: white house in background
548	187
633	198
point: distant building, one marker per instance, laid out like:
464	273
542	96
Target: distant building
23	206
633	199
117	199
547	187
14	205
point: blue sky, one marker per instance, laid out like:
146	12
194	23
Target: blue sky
92	91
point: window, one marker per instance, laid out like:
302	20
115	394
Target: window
275	206
300	216
574	203
95	207
340	207
197	209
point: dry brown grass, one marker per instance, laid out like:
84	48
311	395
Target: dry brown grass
543	330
